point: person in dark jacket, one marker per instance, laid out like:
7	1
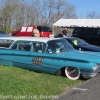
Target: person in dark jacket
64	32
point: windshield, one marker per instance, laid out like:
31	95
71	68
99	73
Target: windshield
77	41
59	46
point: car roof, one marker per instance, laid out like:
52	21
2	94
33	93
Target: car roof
41	39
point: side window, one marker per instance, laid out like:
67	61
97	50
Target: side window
23	29
45	29
98	32
39	47
59	47
89	30
14	47
39	28
29	29
75	42
50	48
5	43
55	47
21	45
79	30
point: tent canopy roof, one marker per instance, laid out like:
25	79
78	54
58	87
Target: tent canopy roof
77	23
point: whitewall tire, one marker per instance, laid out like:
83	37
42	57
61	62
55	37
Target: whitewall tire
72	73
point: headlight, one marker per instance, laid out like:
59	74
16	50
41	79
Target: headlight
95	68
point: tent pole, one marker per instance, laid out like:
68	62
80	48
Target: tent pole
53	30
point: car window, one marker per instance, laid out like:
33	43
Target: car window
22	45
58	46
39	47
79	30
50	48
77	41
89	30
45	29
23	29
98	32
39	28
5	43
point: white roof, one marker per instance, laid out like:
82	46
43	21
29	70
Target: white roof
77	23
41	39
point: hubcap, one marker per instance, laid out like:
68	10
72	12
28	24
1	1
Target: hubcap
73	72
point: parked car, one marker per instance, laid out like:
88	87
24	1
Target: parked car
90	35
48	55
2	34
44	31
82	45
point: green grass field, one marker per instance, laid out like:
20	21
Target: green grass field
21	84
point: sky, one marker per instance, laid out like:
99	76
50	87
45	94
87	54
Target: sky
83	7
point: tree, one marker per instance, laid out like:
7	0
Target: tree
17	13
93	14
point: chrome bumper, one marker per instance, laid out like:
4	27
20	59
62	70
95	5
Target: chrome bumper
89	75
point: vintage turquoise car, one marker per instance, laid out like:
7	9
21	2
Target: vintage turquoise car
48	55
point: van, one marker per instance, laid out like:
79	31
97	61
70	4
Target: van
44	31
90	35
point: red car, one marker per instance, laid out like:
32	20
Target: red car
44	31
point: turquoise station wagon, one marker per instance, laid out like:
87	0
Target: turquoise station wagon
48	55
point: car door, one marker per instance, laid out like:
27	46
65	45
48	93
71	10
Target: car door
20	53
37	57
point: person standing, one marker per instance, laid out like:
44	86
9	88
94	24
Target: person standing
64	32
36	32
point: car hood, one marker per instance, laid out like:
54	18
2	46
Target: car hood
82	56
90	47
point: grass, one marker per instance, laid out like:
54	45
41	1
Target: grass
21	84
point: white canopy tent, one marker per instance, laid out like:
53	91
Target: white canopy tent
77	23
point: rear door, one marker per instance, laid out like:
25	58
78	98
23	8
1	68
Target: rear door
20	53
38	60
